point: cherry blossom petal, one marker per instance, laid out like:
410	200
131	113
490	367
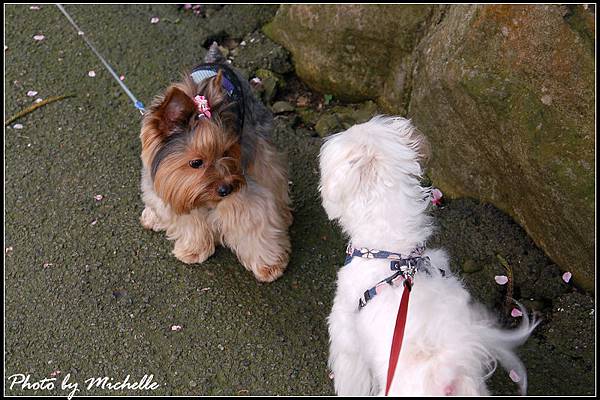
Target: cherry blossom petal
514	376
39	37
32	93
176	328
501	279
154	20
92	74
436	197
516	313
18	126
567	277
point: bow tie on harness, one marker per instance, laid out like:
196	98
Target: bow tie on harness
406	266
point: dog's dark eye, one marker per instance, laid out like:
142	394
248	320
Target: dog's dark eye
196	163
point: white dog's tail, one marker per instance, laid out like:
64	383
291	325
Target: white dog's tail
501	344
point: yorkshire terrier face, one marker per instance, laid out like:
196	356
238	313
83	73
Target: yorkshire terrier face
194	160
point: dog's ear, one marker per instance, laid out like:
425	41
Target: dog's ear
175	111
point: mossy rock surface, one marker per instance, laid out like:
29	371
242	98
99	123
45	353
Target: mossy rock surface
505	94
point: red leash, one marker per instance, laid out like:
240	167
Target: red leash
398	334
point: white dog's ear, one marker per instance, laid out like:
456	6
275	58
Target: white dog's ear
346	172
363	164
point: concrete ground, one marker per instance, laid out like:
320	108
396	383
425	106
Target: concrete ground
90	293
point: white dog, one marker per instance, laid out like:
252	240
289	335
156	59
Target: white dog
370	184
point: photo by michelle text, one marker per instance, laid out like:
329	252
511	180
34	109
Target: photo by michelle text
21	382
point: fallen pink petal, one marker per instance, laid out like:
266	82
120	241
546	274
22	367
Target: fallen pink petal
436	197
501	279
32	93
94	222
98	197
516	313
55	373
34	7
514	376
47	265
92	74
154	20
122	77
8	250
39	37
567	277
38	100
18	126
176	328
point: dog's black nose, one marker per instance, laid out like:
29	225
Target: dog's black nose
224	190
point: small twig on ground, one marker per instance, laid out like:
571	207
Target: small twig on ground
34	107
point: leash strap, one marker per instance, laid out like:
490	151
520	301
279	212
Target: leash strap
138	104
398	334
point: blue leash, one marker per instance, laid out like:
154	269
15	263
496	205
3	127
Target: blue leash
138	104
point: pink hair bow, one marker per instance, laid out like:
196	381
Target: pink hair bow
202	106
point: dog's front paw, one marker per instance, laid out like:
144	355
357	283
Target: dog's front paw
150	220
192	256
268	273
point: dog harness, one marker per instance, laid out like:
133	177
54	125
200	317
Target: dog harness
230	84
405	267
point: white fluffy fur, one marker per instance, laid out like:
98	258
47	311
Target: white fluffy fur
370	185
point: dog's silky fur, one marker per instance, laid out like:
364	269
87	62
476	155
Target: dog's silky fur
370	184
253	219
